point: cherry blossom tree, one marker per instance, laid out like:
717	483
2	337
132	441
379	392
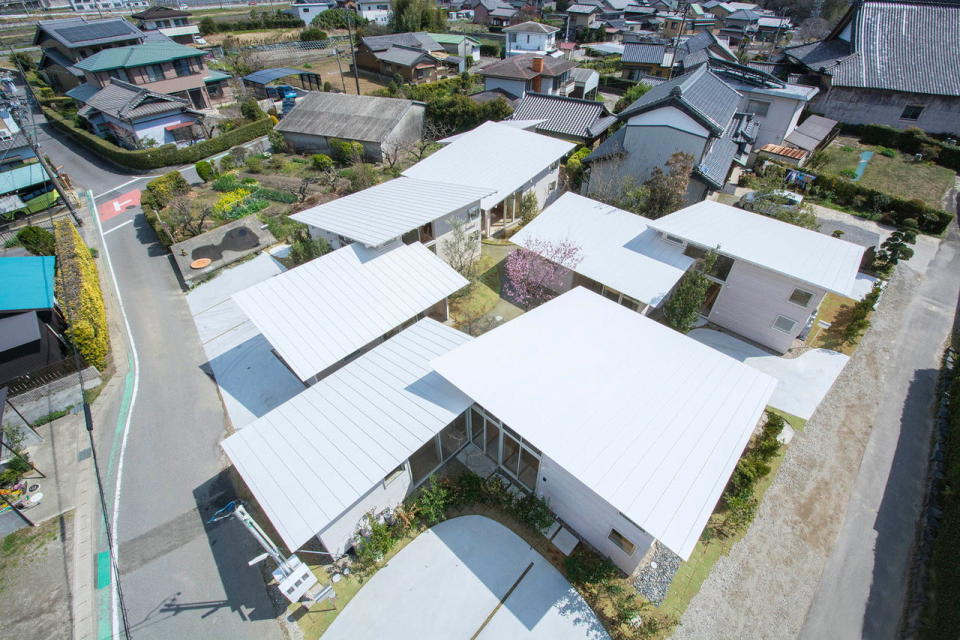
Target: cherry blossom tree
537	269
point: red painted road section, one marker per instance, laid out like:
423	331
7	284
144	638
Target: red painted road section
118	205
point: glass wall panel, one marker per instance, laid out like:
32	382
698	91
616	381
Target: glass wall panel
529	469
453	436
424	460
476	428
511	454
492	441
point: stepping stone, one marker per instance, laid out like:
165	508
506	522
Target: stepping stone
786	436
565	541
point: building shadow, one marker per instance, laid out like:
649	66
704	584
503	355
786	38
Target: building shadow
900	508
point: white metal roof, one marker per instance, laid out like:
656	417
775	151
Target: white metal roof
527	125
802	254
649	419
388	210
617	248
494	155
315	455
322	311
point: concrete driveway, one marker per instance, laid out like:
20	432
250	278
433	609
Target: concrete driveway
804	380
449	583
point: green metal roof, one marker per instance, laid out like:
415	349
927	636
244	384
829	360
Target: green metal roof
137	56
214	76
451	38
22	177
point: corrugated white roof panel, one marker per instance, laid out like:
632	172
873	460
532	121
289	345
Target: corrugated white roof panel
311	458
649	419
320	312
617	247
386	211
802	254
493	155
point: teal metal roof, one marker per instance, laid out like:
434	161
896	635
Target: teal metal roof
137	56
214	76
22	177
27	283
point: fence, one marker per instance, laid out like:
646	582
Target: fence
296	45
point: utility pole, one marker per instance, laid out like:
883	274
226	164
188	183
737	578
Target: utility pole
353	52
343	82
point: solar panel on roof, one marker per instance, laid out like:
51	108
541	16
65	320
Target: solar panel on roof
86	32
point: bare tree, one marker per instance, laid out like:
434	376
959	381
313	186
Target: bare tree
432	132
462	250
813	29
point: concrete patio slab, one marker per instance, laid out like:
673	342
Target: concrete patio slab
804	380
565	541
223	245
448	582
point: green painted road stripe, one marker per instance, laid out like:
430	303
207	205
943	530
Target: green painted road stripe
103	569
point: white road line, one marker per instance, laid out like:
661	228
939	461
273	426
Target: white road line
122	224
115	550
121	186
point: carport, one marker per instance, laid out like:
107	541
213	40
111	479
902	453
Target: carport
260	80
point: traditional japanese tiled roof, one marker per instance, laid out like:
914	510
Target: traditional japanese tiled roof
417	40
643	53
126	101
565	116
521	67
403	56
908	46
531	27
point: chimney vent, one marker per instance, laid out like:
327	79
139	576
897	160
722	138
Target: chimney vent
537	64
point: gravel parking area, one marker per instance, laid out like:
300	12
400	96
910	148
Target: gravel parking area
763	587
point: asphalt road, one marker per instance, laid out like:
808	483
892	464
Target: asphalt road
863	587
181	578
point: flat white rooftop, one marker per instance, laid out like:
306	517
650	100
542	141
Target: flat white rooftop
318	313
650	420
388	210
815	258
499	156
617	247
315	455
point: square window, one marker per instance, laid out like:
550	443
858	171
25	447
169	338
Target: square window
911	112
801	297
673	239
621	541
784	324
758	107
393	475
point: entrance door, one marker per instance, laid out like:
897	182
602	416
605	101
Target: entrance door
196	97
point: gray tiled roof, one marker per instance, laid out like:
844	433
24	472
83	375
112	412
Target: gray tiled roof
79	32
417	40
126	101
745	15
58	58
820	55
700	92
715	165
565	116
342	115
643	53
403	56
532	27
581	75
582	8
16	141
610	147
83	91
504	12
519	67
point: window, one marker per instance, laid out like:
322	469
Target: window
721	266
182	67
911	112
801	297
552	186
119	74
154	72
784	324
621	541
393	475
758	107
673	239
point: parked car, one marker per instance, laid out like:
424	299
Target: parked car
777	198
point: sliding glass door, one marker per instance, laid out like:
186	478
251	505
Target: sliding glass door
518	458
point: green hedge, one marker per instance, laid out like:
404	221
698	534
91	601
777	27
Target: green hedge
78	294
912	140
163	156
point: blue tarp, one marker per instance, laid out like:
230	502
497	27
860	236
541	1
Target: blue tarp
269	75
27	283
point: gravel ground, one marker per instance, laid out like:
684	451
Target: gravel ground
773	572
653	582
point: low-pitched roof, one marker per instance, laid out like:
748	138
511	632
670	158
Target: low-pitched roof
531	27
744	14
265	76
581	76
452	38
324	310
565	116
648	419
75	33
811	133
644	52
138	56
346	116
521	67
798	253
583	8
390	209
27	283
403	56
22	177
505	11
158	13
312	457
416	40
126	101
492	155
617	248
54	56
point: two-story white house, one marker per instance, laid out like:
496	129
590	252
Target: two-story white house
307	10
377	11
531	37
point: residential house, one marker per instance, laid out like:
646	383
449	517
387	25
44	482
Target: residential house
159	67
574	119
413	56
529	72
173	23
740	26
723	9
697	113
860	85
403	209
431	393
376	11
662	58
381	125
531	38
693	20
65	42
99	5
583	17
495	13
770	276
307	10
329	311
509	160
15	149
137	117
621	256
458	44
774	29
586	82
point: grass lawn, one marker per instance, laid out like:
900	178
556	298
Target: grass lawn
899	176
480	297
834	309
796	423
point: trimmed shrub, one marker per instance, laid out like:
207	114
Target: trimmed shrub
346	151
78	292
37	241
321	162
205	171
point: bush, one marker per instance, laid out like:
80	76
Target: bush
225	205
630	96
337	19
586	569
226	182
37	241
254	164
886	151
205	170
346	151
78	293
321	162
433	501
278	144
848	173
162	190
312	34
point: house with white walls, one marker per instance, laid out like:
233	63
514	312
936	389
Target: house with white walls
531	37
